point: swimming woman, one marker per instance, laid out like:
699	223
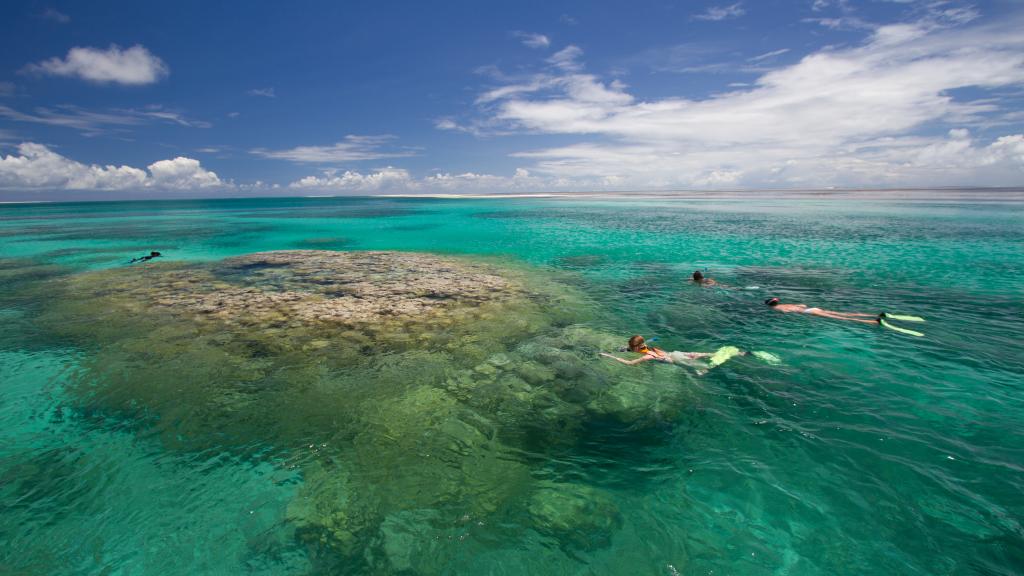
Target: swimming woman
639	345
697	360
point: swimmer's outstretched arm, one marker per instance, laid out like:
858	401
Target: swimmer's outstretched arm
626	362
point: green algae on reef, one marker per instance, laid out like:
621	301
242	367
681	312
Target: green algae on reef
405	386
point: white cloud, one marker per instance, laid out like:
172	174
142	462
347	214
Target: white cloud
685	58
929	14
385	180
36	166
446	124
72	117
351	149
472	180
532	85
264	92
182	174
531	40
717	13
838	116
167	115
92	123
768	55
134	66
843	23
55	15
397	180
566	58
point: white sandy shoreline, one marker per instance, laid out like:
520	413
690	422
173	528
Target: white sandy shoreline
1015	194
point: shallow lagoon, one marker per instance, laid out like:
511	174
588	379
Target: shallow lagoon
866	451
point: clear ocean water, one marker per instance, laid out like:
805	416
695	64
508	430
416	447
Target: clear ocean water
866	451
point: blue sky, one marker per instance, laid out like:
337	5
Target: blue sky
112	99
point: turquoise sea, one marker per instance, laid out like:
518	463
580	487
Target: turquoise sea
865	452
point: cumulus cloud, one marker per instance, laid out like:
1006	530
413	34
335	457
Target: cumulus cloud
385	180
398	180
352	149
181	173
36	166
717	13
132	66
464	181
847	116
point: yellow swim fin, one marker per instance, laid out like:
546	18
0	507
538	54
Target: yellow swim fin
897	328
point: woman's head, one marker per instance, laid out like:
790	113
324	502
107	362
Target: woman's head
772	301
698	277
636	343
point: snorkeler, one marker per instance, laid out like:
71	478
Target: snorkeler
145	258
861	317
700	280
702	361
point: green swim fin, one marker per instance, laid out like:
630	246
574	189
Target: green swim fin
902	317
767	357
723	354
897	328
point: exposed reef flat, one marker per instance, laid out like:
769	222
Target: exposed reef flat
321	285
409	389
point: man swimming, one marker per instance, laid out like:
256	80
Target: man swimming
145	258
700	280
861	317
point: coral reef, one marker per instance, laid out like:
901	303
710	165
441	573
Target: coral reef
409	389
582	516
